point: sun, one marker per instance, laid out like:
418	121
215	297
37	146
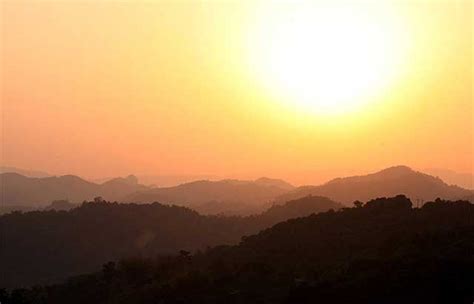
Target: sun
326	60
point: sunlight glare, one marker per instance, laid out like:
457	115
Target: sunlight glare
325	59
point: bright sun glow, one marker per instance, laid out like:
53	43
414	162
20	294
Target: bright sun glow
327	60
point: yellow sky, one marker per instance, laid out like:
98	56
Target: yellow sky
111	88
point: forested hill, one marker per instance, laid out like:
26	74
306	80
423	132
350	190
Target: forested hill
383	252
45	246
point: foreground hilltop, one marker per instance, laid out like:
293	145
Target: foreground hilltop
44	246
392	181
383	252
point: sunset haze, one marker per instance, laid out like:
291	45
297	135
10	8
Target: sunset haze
110	88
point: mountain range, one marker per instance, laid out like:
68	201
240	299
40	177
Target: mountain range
230	197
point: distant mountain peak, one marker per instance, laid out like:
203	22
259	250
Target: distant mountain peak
401	169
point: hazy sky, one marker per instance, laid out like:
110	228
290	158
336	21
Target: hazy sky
111	88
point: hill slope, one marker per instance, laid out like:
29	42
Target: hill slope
388	182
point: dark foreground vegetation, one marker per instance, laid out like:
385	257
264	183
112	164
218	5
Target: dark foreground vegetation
382	252
47	246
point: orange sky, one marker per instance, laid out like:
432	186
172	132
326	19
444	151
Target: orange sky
108	88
